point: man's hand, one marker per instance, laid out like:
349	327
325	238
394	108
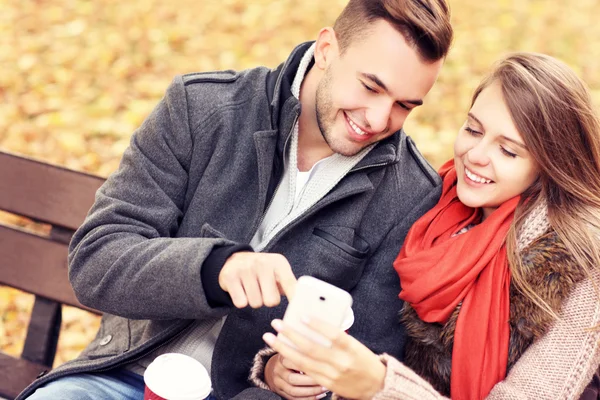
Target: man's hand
283	379
257	279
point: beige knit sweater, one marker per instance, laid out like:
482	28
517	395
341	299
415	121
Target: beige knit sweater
558	366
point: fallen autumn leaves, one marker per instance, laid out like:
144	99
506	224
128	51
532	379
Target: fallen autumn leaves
78	76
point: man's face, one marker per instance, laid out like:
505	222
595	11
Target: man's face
366	94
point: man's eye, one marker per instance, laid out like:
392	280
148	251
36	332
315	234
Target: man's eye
369	88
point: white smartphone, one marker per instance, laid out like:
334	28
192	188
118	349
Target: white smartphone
319	300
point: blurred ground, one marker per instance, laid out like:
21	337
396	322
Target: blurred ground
78	76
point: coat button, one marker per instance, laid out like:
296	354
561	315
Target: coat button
105	340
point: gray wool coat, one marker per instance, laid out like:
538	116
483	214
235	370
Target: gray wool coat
197	176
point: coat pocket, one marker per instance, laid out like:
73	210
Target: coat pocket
359	248
337	255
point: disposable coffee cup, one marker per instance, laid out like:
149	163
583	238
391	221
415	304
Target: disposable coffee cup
175	376
348	319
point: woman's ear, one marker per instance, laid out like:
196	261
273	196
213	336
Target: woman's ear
326	48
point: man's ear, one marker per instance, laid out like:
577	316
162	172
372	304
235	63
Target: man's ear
326	48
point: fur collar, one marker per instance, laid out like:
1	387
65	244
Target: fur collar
552	273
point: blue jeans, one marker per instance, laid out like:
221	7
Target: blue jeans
119	384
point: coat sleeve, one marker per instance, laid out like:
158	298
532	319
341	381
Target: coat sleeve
558	366
125	259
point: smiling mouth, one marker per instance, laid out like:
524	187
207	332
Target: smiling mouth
355	127
476	178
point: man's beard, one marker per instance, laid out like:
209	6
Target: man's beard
323	105
325	119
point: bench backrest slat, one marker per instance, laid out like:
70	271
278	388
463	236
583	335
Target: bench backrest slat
45	192
35	265
50	194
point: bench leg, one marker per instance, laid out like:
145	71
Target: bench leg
42	333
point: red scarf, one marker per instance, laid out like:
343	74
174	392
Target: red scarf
438	271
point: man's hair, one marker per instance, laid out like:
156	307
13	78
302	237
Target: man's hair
424	24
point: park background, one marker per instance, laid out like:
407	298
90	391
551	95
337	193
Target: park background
78	76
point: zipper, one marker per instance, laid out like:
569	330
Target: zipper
260	221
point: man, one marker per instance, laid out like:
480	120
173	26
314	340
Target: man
228	191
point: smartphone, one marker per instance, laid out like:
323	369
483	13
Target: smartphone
318	300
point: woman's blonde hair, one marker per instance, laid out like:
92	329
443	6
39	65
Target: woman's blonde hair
552	110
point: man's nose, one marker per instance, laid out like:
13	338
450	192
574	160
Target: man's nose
378	116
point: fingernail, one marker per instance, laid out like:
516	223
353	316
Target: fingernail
305	319
269	338
324	388
276	323
321	395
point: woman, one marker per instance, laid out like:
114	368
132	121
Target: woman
514	238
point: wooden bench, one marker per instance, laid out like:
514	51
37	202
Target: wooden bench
37	264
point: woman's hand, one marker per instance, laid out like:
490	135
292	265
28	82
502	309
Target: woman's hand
344	366
283	378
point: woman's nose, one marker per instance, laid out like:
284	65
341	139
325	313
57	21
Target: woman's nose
478	154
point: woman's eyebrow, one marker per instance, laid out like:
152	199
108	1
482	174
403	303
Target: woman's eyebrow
515	142
473	117
518	143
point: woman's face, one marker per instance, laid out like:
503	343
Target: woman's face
492	162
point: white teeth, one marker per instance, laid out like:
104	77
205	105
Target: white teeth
476	178
356	128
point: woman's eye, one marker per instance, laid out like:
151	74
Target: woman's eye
507	153
472	131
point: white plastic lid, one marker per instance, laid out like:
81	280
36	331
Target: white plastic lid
176	376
